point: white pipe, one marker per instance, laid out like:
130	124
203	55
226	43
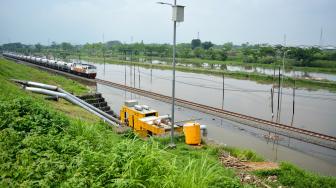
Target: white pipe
68	98
55	88
90	106
40	85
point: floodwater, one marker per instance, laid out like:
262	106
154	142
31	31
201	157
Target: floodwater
314	110
256	69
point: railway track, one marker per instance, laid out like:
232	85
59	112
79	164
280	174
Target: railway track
277	128
217	111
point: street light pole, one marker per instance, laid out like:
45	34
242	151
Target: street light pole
172	144
178	16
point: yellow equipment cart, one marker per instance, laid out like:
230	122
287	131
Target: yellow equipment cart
145	121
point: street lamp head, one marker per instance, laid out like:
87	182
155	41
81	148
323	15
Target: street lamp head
163	3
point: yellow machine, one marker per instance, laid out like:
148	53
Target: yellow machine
192	133
145	121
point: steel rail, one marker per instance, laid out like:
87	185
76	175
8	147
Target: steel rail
210	108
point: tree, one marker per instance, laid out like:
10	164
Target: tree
223	54
195	43
54	45
112	43
199	52
66	46
228	46
304	55
38	47
207	45
267	51
211	54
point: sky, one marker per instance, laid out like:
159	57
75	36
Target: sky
219	21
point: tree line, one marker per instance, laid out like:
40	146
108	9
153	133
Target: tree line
247	53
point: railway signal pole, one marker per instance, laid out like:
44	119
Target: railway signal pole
178	16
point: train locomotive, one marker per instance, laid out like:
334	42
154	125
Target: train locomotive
81	69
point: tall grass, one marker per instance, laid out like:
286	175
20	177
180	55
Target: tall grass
41	147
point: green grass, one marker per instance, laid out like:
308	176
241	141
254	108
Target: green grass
292	176
42	147
259	78
11	70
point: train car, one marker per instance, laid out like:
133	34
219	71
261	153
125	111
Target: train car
44	61
85	70
50	63
38	60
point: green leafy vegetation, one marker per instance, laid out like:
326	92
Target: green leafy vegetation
292	176
11	70
196	51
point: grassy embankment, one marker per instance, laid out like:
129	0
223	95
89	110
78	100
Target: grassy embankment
42	144
260	78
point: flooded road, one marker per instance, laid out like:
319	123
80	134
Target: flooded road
314	110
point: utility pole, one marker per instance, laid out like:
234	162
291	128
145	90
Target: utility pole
321	38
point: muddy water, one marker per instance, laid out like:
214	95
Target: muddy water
314	110
290	73
255	69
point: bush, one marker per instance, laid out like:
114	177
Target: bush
249	59
267	60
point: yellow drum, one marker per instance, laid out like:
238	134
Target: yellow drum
192	133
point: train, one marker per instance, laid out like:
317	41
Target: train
80	69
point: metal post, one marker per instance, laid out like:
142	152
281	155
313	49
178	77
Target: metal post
139	75
134	75
278	96
293	101
223	93
104	52
125	78
272	102
172	144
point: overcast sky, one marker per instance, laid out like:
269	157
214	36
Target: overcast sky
219	21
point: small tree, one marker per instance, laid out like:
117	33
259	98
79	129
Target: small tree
207	45
199	52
